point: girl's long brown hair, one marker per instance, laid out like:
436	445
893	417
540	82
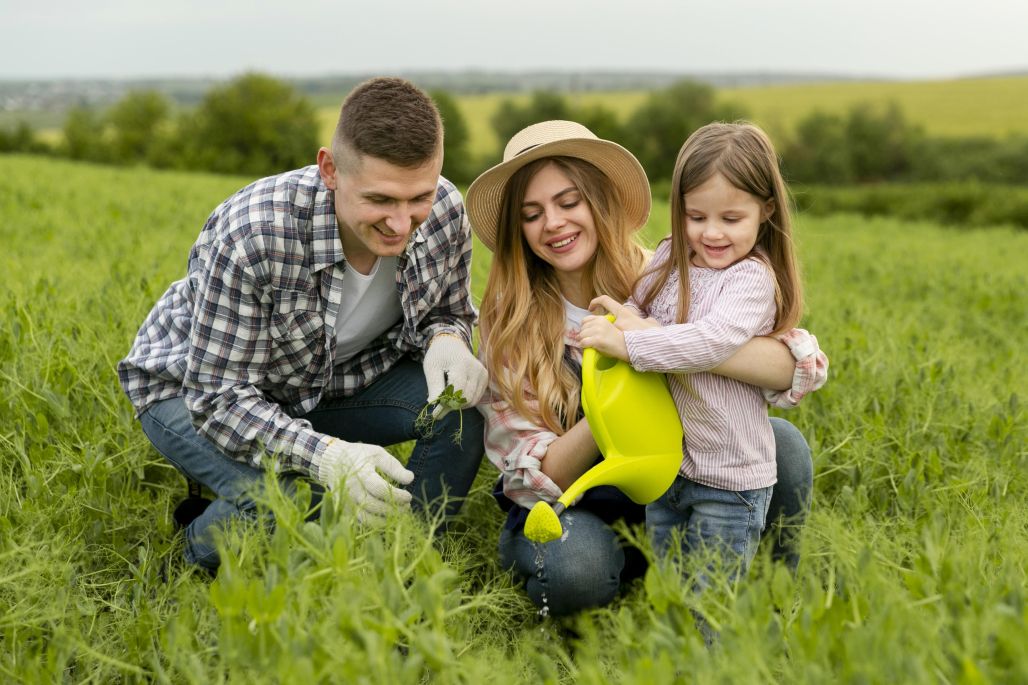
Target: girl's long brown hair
743	154
522	312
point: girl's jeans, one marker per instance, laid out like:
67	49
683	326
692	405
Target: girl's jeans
699	517
382	414
586	569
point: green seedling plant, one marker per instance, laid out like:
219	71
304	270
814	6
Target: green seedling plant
449	399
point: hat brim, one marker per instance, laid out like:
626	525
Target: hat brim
484	199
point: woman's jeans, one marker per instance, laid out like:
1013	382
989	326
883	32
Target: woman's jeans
383	413
586	570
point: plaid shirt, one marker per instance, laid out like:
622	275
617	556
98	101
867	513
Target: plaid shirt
247	338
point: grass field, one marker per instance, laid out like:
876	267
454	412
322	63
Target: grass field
990	107
915	557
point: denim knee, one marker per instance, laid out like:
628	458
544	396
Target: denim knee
795	471
579	571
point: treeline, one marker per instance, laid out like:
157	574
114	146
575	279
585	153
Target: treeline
257	125
867	144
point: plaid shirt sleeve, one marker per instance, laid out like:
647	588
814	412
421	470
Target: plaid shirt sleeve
454	312
517	446
811	369
229	355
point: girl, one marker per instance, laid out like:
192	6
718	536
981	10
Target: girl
726	274
559	214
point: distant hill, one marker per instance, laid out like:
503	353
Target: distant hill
61	95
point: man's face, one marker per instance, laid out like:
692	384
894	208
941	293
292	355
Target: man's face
378	204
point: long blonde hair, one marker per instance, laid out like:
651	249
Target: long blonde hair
743	154
522	313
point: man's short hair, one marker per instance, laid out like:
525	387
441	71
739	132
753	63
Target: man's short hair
388	118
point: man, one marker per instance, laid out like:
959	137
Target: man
322	308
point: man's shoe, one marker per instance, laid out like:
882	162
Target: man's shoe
188	509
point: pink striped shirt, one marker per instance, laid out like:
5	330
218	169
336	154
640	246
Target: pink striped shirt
728	440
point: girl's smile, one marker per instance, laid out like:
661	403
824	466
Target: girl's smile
722	222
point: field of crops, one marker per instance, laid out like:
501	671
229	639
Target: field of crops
990	107
915	558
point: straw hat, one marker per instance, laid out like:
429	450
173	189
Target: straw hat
550	139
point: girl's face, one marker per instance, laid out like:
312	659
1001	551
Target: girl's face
722	222
558	223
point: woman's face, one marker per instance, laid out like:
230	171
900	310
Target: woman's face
558	223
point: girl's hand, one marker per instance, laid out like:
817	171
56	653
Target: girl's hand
604	337
625	318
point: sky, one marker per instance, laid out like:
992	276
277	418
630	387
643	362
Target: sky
914	39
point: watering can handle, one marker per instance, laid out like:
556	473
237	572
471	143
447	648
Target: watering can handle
589	362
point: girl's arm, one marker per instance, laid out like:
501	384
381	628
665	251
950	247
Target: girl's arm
745	307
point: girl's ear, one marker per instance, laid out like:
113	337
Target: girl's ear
769	209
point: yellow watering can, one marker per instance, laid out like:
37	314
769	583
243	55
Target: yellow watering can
635	424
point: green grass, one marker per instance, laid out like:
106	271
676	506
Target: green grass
991	107
915	558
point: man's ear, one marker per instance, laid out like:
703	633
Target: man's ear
327	168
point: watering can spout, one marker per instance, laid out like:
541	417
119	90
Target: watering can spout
635	423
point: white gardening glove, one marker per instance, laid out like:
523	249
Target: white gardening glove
355	466
450	362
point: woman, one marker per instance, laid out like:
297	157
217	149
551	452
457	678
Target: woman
559	214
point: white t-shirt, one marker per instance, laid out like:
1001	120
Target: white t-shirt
370	306
573	315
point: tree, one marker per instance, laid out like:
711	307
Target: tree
253	125
457	163
510	117
880	142
136	120
819	152
22	138
657	130
545	105
84	135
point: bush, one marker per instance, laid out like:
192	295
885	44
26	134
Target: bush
657	130
84	136
136	121
955	204
254	125
510	117
457	164
867	145
22	138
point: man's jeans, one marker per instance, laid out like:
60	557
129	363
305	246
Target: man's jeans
586	569
384	413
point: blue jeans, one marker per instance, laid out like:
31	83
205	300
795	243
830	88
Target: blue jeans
383	413
699	517
583	571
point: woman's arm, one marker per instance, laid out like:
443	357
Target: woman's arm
570	455
763	362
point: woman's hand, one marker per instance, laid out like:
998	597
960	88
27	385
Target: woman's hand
625	318
603	336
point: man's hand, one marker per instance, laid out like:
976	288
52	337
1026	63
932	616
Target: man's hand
356	466
448	361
